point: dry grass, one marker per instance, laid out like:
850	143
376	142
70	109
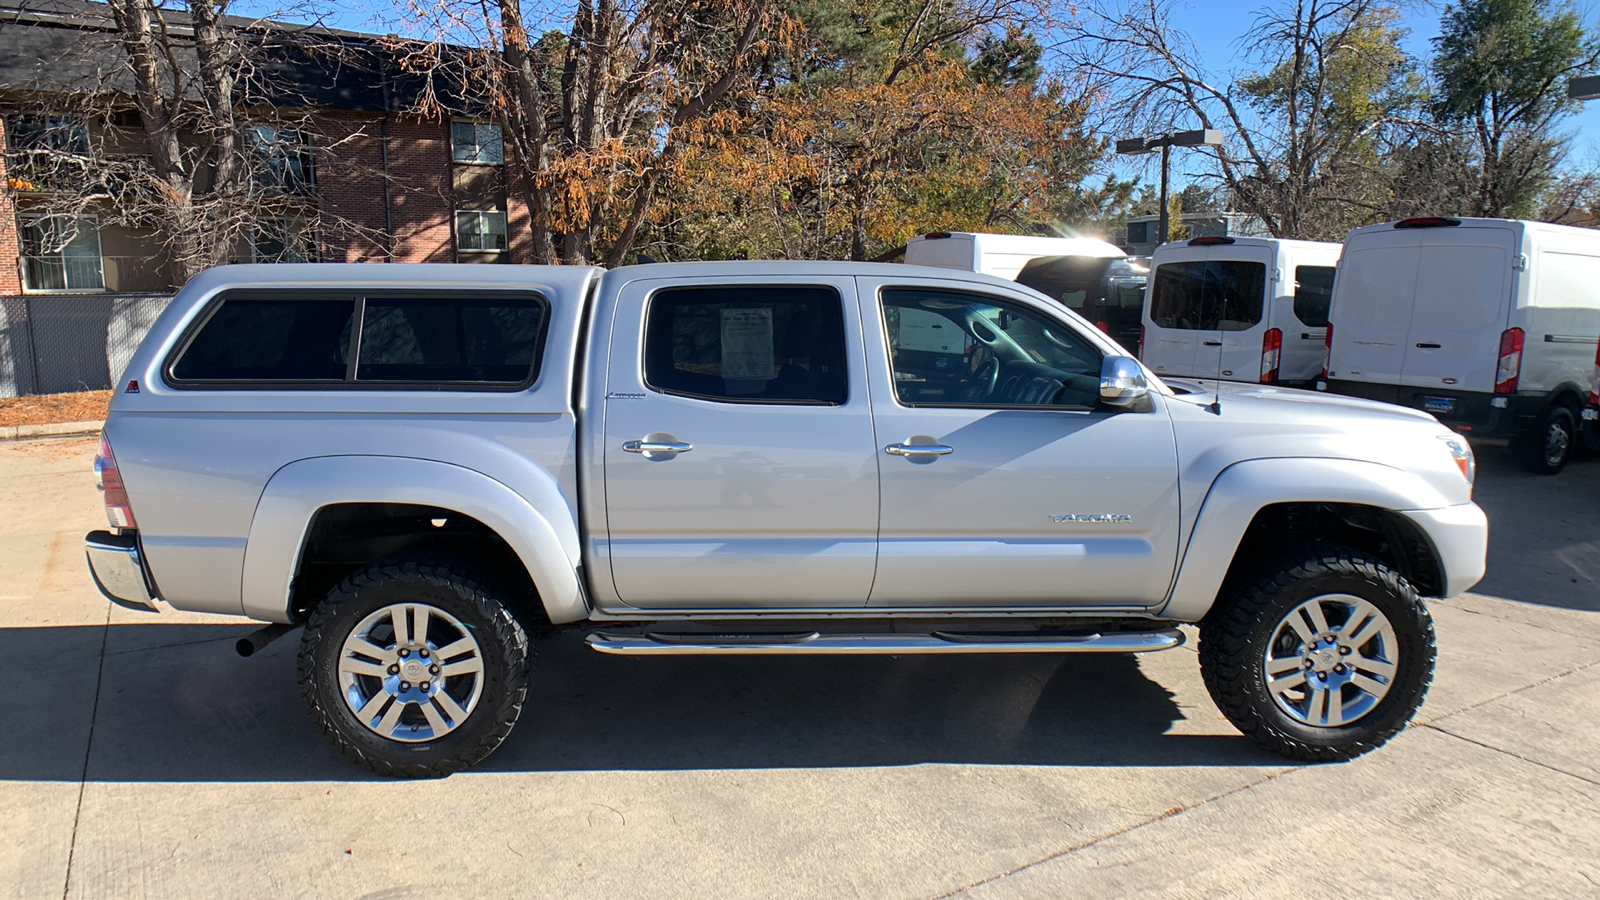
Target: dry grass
47	409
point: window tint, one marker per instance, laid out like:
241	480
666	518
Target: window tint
1208	295
270	340
950	348
1313	292
430	340
741	344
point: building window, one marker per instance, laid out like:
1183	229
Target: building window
61	253
1139	232
280	158
45	151
283	240
476	142
480	230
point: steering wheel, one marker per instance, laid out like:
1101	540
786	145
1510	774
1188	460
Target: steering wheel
984	381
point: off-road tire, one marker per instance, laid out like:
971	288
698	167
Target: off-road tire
1234	637
446	584
1532	449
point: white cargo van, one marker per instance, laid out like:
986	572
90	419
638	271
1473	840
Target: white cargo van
1489	324
1001	255
1239	309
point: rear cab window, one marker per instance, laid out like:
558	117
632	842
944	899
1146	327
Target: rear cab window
1208	295
747	344
470	341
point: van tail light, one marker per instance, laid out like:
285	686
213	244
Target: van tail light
1510	367
1271	355
109	480
1594	380
1327	351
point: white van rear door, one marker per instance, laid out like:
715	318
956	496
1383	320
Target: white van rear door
1463	298
1372	306
1207	312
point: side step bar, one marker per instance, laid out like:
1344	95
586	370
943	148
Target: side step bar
691	644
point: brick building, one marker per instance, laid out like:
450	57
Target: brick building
371	182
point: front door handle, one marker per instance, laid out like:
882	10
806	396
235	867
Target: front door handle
656	446
1213	343
918	449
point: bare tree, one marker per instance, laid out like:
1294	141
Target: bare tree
183	130
1303	133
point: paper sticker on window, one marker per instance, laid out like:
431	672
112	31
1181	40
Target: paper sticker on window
747	352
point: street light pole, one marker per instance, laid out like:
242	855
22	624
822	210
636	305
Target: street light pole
1203	137
1163	225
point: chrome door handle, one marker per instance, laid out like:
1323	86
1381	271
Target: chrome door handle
656	446
918	449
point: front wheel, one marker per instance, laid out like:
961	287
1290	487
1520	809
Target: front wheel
414	667
1323	657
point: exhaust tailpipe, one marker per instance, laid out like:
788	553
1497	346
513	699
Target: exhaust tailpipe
257	640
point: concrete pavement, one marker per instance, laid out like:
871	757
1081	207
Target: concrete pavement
142	757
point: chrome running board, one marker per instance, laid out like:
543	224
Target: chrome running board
691	644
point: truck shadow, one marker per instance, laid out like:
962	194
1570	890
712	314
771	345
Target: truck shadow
175	703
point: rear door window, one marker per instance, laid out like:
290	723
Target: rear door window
774	344
1208	295
249	340
1313	293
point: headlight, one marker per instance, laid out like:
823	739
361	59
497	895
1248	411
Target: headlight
1461	452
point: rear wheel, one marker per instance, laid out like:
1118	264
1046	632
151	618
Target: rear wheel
1321	658
1546	449
414	667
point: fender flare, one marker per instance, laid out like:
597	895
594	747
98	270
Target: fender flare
1245	488
297	491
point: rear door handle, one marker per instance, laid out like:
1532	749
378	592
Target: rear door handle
1213	343
918	449
1427	345
656	446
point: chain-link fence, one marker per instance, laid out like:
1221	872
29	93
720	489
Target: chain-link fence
58	343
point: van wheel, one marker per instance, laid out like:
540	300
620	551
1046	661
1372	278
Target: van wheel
414	667
1321	658
1546	449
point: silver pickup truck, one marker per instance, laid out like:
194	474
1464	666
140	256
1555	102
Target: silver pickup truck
428	466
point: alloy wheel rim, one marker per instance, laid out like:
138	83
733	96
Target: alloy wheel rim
1331	660
1556	441
411	672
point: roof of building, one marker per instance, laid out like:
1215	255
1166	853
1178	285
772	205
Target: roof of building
72	47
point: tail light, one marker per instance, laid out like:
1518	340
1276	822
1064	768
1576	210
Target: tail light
1594	380
1271	355
1105	328
109	480
1327	351
1510	367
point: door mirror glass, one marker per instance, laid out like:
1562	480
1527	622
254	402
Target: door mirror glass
1122	383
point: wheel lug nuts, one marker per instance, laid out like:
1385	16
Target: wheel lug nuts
405	685
1309	663
1321	676
404	653
1344	651
433	670
423	653
394	670
425	685
1339	668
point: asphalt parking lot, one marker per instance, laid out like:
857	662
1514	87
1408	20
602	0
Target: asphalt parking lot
140	756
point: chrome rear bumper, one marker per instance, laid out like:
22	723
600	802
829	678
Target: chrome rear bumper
119	571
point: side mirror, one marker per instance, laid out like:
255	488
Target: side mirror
1122	383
